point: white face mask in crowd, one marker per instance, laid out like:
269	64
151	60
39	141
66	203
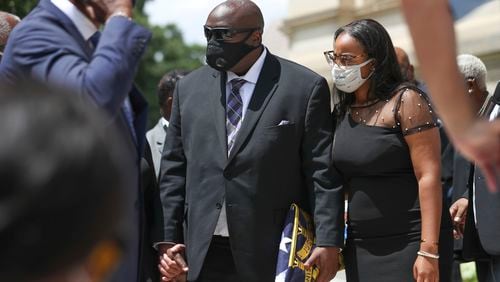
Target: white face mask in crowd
348	78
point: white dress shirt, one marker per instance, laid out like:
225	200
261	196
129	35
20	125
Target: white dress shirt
82	23
246	93
251	77
164	122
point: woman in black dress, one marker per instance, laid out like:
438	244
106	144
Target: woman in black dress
387	148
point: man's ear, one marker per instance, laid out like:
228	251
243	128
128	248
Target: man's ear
257	37
373	65
169	102
471	84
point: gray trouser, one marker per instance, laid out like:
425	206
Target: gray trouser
489	271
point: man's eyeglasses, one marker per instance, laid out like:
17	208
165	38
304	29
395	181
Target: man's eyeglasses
225	33
340	59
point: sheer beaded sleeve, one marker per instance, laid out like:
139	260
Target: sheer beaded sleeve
415	113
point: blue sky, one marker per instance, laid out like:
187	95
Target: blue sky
190	15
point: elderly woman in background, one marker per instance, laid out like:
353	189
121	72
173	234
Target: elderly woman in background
474	73
387	147
476	138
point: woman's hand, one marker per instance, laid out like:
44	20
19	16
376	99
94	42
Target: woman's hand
426	269
458	213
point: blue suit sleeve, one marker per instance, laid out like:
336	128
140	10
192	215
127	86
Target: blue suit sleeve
48	53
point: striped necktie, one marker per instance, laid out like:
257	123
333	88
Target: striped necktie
93	41
234	111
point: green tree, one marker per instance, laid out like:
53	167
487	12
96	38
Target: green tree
166	51
16	7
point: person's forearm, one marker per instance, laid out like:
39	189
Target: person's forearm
434	40
430	209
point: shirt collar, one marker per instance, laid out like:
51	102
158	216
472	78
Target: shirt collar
253	73
82	23
163	122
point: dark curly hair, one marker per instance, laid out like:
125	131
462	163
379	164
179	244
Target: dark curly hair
377	44
167	84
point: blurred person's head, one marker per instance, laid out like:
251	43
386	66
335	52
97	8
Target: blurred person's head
165	92
7	24
363	57
474	72
234	36
63	175
407	69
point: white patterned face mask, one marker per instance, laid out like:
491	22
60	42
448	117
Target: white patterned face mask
348	78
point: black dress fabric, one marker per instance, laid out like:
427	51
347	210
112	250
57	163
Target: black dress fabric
384	220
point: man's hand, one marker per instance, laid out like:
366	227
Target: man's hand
327	260
458	213
481	144
172	265
102	10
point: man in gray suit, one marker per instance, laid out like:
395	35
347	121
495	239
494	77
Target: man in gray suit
156	135
477	213
250	134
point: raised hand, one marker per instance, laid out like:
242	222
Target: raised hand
101	10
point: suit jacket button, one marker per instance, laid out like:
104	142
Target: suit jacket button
218	206
226	174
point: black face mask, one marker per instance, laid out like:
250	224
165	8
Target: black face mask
223	56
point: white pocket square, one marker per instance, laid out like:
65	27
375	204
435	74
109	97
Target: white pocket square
284	122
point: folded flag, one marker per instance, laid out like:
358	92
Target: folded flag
297	244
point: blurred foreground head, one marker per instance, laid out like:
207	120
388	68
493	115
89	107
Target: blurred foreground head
62	181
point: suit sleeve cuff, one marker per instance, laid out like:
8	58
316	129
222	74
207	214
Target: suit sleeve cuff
157	244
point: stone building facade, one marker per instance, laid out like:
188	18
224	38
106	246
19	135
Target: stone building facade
310	25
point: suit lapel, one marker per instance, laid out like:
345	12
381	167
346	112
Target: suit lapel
218	101
159	136
139	108
67	24
264	90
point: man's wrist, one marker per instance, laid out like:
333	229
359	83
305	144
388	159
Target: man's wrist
163	246
332	248
120	13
